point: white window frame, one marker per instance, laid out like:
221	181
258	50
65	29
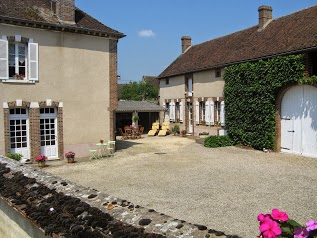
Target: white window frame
203	111
31	60
16	58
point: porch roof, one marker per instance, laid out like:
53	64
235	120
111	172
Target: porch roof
138	106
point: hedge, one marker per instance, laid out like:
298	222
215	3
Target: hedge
218	141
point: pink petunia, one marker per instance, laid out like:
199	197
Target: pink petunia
300	233
279	215
270	229
311	225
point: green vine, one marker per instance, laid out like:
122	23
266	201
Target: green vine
250	93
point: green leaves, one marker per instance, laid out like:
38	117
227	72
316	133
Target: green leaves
139	91
250	93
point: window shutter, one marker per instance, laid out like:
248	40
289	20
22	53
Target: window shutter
207	115
197	113
181	112
33	61
4	55
222	113
173	111
170	110
212	113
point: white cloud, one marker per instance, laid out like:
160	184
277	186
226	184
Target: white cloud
146	33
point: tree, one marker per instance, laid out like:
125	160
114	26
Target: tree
140	91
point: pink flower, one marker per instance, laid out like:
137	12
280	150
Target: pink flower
311	225
262	218
300	233
279	215
270	229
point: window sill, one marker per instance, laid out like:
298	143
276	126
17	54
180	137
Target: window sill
24	81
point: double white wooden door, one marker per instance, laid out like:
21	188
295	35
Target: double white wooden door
299	121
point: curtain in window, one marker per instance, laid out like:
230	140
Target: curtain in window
181	112
222	113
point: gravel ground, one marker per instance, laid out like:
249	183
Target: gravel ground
222	188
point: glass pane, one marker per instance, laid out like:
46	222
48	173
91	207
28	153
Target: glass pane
12	122
24	128
42	132
52	110
41	127
21	49
19	145
23	133
12	111
47	137
52	137
42	143
24	144
42	111
47	126
53	142
17	111
12	146
47	110
12	128
24	139
11	60
18	128
47	120
52	132
24	122
23	111
12	134
48	143
18	122
12	140
42	138
12	49
52	121
18	139
11	71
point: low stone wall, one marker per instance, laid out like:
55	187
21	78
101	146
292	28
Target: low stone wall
58	208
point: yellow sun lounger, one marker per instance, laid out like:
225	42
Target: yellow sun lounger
154	130
165	129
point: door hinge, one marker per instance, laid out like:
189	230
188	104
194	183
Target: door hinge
285	118
290	131
285	148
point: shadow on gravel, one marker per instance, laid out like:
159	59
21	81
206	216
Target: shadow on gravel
125	144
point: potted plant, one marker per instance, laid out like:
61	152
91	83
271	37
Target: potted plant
202	122
70	157
176	129
41	160
183	132
135	117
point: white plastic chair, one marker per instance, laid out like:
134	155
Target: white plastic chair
111	147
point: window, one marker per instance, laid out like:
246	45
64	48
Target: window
218	110
177	112
18	59
202	112
217	73
167	81
189	87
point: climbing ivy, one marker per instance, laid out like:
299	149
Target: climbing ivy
250	92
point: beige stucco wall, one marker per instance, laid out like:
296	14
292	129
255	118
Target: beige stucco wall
207	85
73	69
175	88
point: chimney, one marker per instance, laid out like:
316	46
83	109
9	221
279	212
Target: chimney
186	43
65	10
265	16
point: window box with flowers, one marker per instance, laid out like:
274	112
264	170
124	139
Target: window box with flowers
70	157
41	160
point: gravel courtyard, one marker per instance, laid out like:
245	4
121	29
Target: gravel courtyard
223	188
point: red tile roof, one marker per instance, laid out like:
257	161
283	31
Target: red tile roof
289	34
39	11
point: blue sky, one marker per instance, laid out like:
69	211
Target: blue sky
154	28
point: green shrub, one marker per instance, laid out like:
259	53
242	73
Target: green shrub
176	129
218	141
16	157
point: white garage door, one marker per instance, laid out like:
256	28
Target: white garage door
299	121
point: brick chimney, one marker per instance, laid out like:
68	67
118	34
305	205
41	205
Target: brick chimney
265	16
65	10
186	43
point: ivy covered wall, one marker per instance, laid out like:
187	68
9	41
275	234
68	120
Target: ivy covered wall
250	93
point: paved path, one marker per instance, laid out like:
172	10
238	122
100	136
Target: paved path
223	188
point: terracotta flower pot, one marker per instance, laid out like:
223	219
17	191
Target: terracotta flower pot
41	164
71	160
